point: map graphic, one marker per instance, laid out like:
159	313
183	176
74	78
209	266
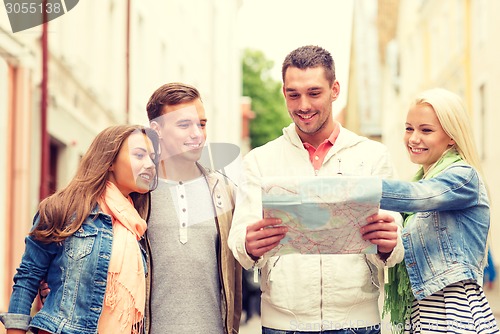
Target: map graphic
323	214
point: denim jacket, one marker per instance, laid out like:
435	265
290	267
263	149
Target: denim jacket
76	271
445	242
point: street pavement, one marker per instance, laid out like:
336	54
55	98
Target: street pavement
493	295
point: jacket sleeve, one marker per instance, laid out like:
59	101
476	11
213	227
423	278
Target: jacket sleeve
384	168
455	189
33	268
248	211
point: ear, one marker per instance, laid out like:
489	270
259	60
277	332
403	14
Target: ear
155	126
283	90
111	168
335	90
451	142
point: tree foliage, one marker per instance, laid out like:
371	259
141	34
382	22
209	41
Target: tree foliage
267	100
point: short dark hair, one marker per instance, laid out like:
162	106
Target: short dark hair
170	94
310	56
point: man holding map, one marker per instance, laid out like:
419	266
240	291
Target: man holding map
330	289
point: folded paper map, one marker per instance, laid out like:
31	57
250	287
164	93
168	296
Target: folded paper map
323	214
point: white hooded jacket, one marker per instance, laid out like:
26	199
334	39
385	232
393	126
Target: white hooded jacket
312	292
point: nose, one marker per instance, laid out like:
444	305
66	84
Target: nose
414	138
149	163
196	132
305	105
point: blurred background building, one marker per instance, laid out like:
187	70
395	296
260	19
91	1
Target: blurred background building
93	67
401	47
98	64
422	44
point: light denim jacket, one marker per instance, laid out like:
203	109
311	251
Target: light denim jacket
76	271
445	242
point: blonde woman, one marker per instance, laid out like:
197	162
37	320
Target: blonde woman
437	288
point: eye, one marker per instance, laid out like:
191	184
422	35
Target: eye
293	96
409	129
139	155
427	130
314	94
202	125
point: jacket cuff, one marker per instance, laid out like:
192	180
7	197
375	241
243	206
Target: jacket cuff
15	321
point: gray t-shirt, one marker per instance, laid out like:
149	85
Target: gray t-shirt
185	288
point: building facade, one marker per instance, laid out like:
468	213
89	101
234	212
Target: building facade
424	44
98	66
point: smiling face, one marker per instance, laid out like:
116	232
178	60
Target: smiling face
133	169
425	138
182	131
309	98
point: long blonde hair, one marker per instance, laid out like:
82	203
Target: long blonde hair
64	212
455	121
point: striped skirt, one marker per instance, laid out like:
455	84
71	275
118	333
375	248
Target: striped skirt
461	307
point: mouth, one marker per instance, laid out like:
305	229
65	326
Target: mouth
194	145
417	150
306	117
146	177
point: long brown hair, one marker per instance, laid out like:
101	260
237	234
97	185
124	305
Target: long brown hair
63	213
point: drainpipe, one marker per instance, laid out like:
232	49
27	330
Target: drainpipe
45	149
127	64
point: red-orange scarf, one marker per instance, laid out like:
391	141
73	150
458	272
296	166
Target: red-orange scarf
125	298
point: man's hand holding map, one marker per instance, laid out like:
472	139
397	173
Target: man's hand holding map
323	214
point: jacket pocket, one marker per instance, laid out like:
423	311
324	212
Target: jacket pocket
293	283
449	249
80	244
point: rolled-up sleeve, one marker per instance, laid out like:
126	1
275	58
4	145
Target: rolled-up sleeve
15	321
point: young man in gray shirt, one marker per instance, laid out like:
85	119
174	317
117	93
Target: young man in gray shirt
194	282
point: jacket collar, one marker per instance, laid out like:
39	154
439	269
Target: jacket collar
345	139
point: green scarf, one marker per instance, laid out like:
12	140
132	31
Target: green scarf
398	294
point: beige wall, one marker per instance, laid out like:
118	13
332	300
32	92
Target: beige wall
453	46
4	79
169	41
450	44
485	85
